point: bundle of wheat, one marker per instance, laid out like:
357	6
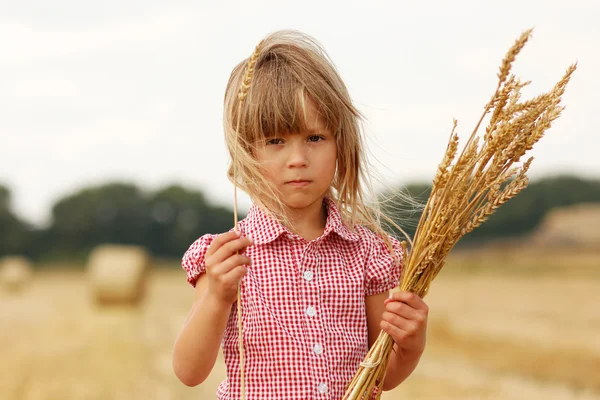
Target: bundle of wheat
15	273
467	190
117	274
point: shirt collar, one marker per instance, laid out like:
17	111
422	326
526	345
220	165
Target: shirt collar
264	228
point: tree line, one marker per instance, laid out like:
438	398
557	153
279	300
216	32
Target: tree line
168	220
519	216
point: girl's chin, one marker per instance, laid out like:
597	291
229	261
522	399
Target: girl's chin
300	200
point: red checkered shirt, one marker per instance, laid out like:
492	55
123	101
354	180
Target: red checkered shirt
303	307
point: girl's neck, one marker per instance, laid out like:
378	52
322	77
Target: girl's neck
309	222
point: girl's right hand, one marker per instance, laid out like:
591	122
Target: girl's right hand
224	267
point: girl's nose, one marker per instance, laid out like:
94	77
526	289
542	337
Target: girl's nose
297	156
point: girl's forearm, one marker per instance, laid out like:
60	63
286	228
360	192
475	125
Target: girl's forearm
399	369
197	345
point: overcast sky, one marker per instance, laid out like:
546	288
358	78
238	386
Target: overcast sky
92	92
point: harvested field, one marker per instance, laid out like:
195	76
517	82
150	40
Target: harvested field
492	335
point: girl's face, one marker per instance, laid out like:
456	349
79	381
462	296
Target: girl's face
301	165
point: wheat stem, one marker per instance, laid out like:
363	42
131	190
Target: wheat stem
468	189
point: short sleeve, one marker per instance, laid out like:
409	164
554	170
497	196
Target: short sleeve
382	270
193	259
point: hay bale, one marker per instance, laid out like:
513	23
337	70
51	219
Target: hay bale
118	274
572	226
15	273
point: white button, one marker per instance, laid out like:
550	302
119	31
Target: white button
322	388
308	275
311	311
317	349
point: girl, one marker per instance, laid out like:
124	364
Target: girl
314	263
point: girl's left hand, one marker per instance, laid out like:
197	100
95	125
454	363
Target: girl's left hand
405	320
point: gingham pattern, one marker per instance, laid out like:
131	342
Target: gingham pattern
303	307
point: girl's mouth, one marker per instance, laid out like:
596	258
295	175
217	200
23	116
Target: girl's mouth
298	183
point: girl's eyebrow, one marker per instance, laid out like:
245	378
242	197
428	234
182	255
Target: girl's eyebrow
315	130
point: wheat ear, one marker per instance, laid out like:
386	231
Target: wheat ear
466	190
243	93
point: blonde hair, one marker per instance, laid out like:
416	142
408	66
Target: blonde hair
291	65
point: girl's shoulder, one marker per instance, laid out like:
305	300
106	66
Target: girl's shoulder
193	259
382	265
370	240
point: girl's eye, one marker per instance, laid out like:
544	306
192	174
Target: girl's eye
315	138
274	141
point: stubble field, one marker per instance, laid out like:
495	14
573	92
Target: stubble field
501	331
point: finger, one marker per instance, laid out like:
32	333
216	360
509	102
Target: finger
396	333
236	274
411	299
230	248
404	310
406	325
237	246
220	240
229	264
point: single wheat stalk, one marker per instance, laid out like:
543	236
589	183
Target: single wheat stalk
243	93
466	190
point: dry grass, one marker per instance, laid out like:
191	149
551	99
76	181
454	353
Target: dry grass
519	259
468	188
499	336
56	344
538	361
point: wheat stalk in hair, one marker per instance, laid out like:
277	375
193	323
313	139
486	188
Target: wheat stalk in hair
466	190
243	93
